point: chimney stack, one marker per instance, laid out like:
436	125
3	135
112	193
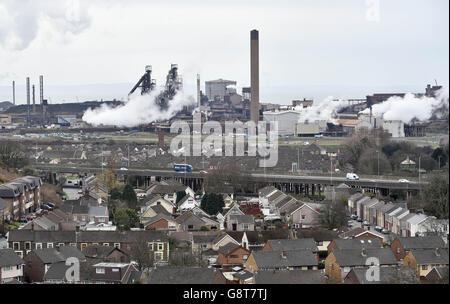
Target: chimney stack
14	92
34	100
254	75
41	89
28	101
198	91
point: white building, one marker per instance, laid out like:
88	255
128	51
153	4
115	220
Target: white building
218	88
395	127
287	120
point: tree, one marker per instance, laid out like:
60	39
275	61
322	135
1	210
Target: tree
129	196
372	162
440	155
226	179
12	155
333	215
436	194
212	203
126	219
141	254
108	178
115	194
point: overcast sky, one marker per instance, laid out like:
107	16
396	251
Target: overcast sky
308	48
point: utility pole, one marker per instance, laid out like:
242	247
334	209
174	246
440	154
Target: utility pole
128	148
420	185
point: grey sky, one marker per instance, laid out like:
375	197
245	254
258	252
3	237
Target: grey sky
308	48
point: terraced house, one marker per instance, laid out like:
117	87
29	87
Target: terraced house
22	195
23	241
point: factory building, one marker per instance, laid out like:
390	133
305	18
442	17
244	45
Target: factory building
395	127
218	89
287	120
303	103
306	129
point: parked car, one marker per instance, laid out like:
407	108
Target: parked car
124	169
366	223
352	176
203	172
403	180
23	220
359	220
354	217
29	217
45	207
378	228
50	204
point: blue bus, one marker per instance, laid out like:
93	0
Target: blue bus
182	167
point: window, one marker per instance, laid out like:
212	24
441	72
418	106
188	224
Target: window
27	245
83	245
117	245
73	244
16	245
424	267
158	256
115	270
150	246
49	245
100	270
38	245
160	246
20	253
105	244
233	256
60	244
190	227
245	257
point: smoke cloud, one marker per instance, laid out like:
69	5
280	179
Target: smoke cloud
139	110
20	21
322	110
410	107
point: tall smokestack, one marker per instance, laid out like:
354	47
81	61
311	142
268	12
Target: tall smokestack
14	92
28	101
34	100
41	89
198	91
254	74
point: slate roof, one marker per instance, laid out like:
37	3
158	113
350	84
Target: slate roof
99	211
228	248
319	235
204	238
99	252
354	257
9	258
297	244
181	275
274	259
3	204
57	271
427	242
388	275
351	233
243	275
41	236
267	190
358	243
71	251
295	276
49	255
429	256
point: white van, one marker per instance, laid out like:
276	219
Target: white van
352	176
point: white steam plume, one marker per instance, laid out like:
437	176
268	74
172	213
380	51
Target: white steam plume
322	110
139	110
20	21
409	107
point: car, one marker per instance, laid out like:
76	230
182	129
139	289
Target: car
378	228
45	207
359	220
402	180
203	172
124	169
80	191
385	231
29	217
50	204
366	223
354	217
352	176
23	220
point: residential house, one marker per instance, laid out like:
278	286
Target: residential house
381	212
366	207
437	275
396	223
38	261
389	217
402	245
5	213
305	216
168	190
191	222
11	266
113	273
277	260
98	214
339	262
373	212
413	224
388	275
231	255
157	200
109	254
160	221
292	245
351	202
256	240
360	206
185	275
424	260
237	222
354	244
187	203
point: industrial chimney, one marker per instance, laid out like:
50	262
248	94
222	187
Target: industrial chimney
254	74
14	92
28	101
34	100
198	91
41	89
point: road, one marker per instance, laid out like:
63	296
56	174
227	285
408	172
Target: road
258	177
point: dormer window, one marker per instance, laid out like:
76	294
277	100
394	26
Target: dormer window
100	270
